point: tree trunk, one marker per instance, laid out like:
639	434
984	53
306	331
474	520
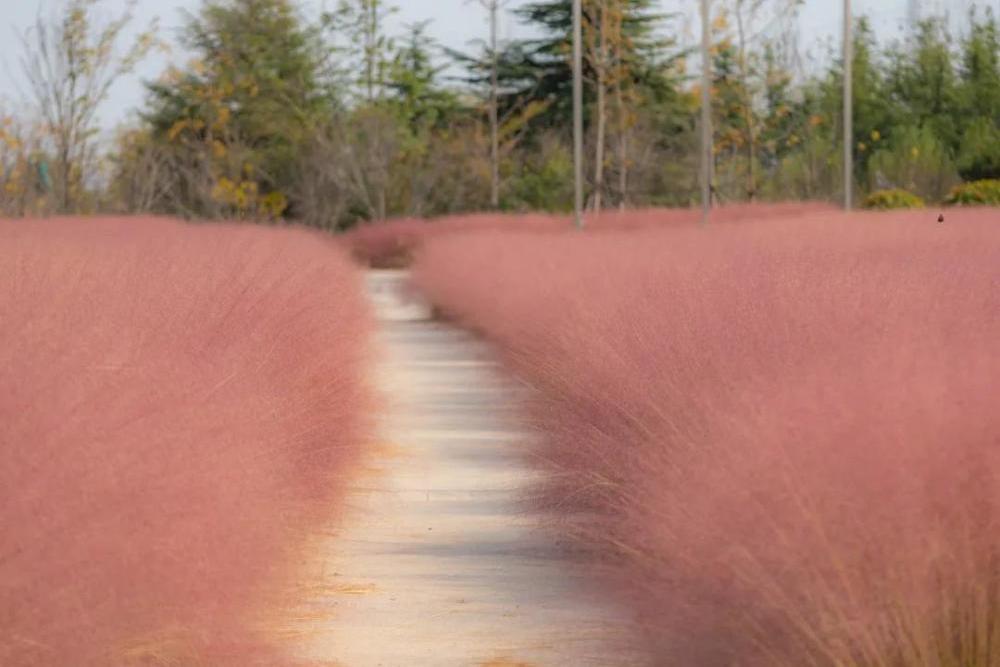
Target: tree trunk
623	120
370	47
494	110
622	148
601	68
65	200
751	139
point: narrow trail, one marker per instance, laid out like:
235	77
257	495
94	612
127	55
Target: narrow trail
436	562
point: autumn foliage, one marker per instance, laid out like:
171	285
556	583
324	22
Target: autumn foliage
780	438
178	406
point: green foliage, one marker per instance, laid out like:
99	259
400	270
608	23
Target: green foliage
917	160
545	183
978	193
887	200
236	118
811	172
357	36
539	68
979	157
413	83
979	71
923	83
330	118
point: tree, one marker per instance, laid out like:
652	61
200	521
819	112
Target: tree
24	184
362	23
368	129
979	100
876	114
489	76
922	80
979	69
238	116
493	7
748	77
625	56
539	68
70	61
422	110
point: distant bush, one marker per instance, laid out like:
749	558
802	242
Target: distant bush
888	200
178	407
917	161
979	156
977	193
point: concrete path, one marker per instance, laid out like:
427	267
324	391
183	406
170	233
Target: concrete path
437	562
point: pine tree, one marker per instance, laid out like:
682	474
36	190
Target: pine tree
540	68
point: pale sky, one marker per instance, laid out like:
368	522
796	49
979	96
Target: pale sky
453	22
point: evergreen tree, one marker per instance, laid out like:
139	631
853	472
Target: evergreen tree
540	69
237	117
979	100
922	80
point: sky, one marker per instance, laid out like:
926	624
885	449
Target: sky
454	23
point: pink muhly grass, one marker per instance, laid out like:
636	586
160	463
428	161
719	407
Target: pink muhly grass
178	406
392	244
787	432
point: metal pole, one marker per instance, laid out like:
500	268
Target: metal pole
707	146
494	107
848	107
578	113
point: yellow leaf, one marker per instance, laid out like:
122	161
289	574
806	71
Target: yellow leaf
176	129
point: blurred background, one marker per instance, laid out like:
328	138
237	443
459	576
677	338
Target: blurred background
332	114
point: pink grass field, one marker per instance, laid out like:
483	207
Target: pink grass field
393	243
178	405
781	439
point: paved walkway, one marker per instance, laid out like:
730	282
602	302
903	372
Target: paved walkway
437	563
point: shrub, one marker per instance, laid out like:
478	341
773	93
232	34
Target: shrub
178	405
979	156
887	200
545	183
783	433
978	193
917	161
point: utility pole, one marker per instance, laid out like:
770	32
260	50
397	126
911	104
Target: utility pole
707	143
493	6
578	113
848	107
